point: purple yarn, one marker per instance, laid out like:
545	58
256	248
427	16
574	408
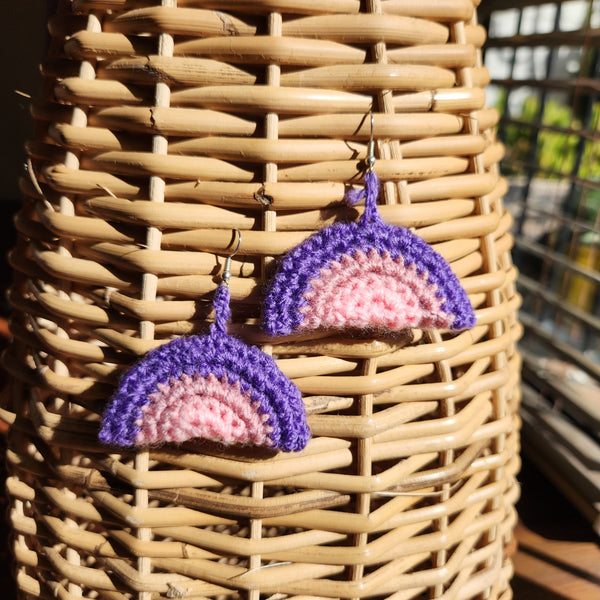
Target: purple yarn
284	298
222	308
369	194
220	355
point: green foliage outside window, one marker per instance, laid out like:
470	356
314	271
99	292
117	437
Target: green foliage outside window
557	147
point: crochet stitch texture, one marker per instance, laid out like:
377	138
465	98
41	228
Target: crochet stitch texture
213	387
364	274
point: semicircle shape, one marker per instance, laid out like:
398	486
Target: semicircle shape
212	387
365	274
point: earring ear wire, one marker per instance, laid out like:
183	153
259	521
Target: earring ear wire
227	268
371	148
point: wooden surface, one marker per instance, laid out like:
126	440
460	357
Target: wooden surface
558	556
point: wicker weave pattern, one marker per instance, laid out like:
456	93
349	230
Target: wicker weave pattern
167	124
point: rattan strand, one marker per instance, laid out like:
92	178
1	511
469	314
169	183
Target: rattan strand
163	127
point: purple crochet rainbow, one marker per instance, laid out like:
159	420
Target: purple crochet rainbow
366	274
213	387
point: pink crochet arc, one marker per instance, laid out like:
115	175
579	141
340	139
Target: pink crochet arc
372	290
202	407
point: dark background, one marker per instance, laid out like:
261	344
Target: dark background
22	43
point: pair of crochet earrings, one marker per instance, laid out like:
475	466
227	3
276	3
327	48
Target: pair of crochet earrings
364	274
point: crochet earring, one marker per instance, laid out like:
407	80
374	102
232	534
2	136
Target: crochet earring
213	387
364	275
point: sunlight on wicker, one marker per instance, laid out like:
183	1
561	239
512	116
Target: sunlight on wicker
165	126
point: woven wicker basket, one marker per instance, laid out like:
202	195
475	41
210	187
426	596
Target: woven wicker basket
164	127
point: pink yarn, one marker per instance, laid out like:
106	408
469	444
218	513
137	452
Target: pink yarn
202	407
371	290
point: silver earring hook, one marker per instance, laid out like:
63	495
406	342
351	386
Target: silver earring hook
371	148
227	268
